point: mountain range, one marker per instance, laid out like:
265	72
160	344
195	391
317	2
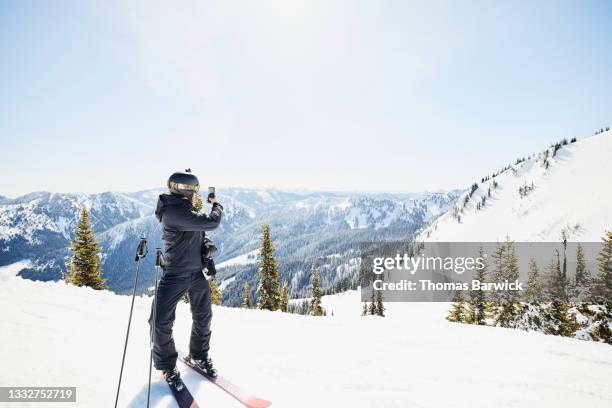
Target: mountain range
323	228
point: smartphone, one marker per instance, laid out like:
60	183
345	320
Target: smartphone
211	193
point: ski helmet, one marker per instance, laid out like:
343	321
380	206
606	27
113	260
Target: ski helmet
183	184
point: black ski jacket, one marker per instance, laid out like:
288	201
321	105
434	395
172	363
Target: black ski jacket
183	231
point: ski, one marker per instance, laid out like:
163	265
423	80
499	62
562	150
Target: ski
183	397
246	398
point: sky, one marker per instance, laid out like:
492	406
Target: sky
323	95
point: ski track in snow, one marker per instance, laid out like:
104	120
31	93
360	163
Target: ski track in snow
60	335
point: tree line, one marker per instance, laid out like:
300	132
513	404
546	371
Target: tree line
552	302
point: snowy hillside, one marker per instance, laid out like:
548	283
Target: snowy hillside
571	192
61	335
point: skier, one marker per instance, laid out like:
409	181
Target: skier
184	242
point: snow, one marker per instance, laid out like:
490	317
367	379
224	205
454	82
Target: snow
30	223
116	235
573	193
60	335
10	271
226	282
244	259
64	224
33	214
265	196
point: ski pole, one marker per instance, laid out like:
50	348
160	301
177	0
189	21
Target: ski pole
159	261
141	252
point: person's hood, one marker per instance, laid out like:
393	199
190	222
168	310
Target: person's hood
165	201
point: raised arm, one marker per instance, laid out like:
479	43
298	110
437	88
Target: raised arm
184	219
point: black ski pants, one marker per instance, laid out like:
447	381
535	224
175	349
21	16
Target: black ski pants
170	289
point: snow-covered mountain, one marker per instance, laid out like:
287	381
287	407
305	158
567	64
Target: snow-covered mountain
37	226
564	187
305	226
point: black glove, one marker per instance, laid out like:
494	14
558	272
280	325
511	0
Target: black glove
208	248
209	264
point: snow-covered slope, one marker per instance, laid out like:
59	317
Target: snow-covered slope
572	192
59	335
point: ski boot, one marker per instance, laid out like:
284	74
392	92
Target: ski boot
205	365
173	378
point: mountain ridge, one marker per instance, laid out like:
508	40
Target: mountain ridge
560	188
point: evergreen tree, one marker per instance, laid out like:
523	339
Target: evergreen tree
558	319
372	302
284	300
85	267
302	307
601	290
555	287
215	293
364	311
583	277
268	289
509	300
478	301
246	296
315	307
457	312
380	307
533	310
497	273
535	289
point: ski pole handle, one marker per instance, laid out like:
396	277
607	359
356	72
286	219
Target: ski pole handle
159	258
141	251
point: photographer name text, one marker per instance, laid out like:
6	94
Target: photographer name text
428	285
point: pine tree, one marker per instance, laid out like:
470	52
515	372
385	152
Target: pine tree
601	290
509	306
497	273
457	312
364	311
582	274
558	320
268	289
535	290
215	293
533	310
582	277
380	307
315	307
85	267
372	309
284	300
555	286
477	302
246	296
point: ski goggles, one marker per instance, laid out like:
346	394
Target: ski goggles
180	186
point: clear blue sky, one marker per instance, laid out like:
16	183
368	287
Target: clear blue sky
336	95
